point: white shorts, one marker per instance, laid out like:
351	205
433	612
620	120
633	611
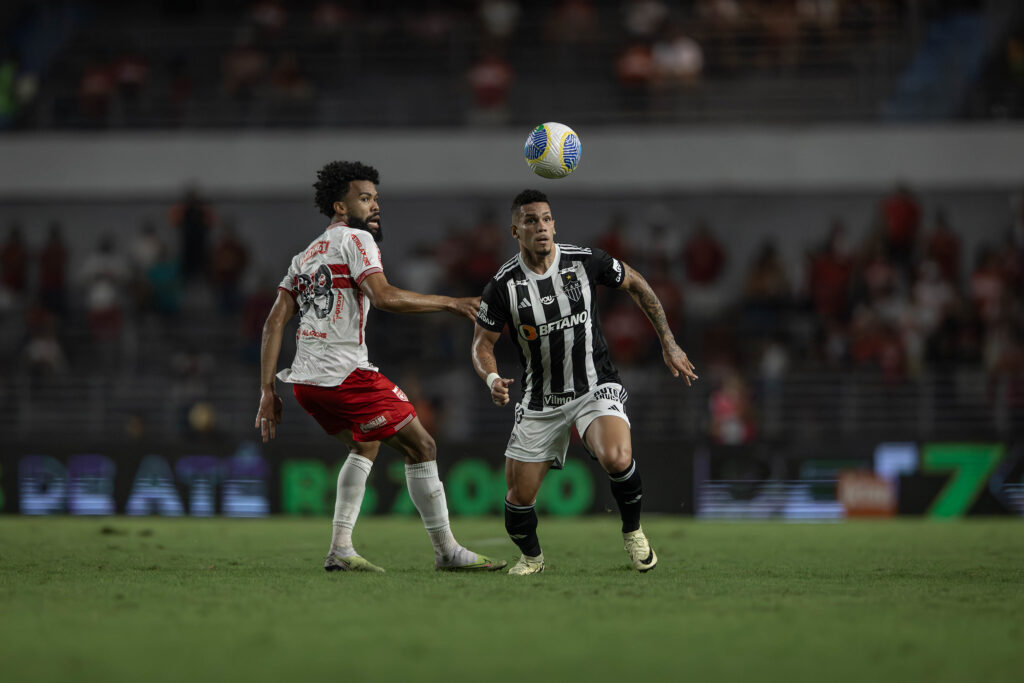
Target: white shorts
542	435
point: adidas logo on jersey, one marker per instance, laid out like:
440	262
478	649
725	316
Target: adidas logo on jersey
525	303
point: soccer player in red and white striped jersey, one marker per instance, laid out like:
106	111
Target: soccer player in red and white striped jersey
331	285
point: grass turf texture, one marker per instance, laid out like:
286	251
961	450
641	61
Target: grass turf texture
177	600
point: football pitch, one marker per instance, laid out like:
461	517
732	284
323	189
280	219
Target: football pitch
194	600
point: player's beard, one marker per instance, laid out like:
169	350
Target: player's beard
362	224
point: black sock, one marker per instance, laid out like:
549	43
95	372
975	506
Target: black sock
521	524
627	490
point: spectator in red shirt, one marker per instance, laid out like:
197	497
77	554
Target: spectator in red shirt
14	262
669	293
635	71
703	256
943	247
628	332
484	251
95	91
732	414
829	277
490	79
228	261
987	287
53	267
901	221
195	218
130	72
613	240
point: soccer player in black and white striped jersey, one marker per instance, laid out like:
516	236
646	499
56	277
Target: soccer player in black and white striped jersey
545	294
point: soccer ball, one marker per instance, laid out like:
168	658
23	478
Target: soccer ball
553	150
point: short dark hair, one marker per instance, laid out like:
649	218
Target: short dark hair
528	197
332	182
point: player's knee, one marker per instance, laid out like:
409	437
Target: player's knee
367	450
520	496
424	449
616	458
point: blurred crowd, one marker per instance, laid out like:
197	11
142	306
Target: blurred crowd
267	62
903	302
91	313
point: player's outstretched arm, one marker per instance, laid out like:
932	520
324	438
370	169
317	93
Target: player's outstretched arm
270	411
386	297
486	365
675	358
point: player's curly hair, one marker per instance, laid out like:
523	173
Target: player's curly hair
528	197
332	182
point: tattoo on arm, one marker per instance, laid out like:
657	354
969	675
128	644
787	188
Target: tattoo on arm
648	302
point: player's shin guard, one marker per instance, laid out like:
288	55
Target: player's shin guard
351	487
521	524
427	495
627	491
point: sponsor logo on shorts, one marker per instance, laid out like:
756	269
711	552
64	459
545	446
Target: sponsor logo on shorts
617	394
375	423
559	399
529	332
400	394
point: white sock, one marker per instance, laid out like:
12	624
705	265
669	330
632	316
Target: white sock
351	487
427	493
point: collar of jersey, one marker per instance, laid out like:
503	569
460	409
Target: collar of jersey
547	273
339	224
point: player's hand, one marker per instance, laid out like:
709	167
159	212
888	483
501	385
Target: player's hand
466	306
269	415
678	362
499	391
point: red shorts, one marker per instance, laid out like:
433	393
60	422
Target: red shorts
367	403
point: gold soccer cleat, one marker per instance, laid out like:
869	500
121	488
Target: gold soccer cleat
640	550
528	565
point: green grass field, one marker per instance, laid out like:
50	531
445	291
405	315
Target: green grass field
183	600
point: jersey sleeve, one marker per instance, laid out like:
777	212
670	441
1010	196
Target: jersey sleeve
493	313
361	255
290	282
605	269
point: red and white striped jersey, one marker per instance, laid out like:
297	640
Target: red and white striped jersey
324	281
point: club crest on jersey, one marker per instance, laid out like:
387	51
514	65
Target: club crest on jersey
572	286
529	332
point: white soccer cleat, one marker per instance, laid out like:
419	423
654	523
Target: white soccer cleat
528	565
349	563
464	560
640	550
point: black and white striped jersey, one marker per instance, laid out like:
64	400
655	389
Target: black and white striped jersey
552	320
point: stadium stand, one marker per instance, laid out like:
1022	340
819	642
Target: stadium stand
901	318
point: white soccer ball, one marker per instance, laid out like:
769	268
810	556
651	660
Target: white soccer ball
553	150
